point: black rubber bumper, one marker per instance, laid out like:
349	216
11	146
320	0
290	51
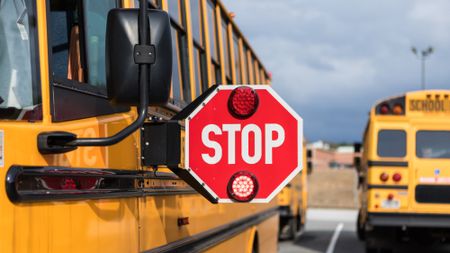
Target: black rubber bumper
409	220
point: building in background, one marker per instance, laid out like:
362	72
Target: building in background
325	155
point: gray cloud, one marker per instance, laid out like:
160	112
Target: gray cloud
331	60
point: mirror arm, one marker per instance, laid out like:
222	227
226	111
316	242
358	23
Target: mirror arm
144	75
61	142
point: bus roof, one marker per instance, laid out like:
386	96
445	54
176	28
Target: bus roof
413	102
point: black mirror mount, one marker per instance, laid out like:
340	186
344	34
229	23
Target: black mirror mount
143	57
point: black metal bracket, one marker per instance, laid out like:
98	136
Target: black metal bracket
161	143
55	142
144	54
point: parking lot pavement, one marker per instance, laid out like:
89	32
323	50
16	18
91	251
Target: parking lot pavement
334	231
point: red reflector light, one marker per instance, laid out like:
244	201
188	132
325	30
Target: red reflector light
69	183
242	186
385	109
390	196
384	177
243	102
397	177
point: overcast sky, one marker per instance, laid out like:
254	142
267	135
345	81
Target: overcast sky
331	60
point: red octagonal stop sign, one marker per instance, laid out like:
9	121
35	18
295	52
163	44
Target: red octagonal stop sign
246	158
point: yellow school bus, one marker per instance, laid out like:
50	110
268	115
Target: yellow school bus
293	203
404	183
73	167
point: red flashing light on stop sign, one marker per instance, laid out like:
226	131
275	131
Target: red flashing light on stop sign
243	186
243	102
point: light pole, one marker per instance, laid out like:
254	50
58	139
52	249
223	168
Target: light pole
422	55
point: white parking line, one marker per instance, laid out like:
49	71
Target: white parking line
335	237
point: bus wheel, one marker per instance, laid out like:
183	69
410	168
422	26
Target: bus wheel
360	228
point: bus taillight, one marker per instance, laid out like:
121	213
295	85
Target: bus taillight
384	177
397	177
243	102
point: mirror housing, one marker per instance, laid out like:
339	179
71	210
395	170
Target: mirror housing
357	147
122	72
309	167
357	156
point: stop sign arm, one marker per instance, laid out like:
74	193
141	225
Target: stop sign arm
183	114
164	145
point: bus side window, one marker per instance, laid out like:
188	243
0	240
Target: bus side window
95	15
213	41
74	67
200	74
181	91
226	51
63	19
77	37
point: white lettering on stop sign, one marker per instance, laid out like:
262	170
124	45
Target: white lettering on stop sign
232	130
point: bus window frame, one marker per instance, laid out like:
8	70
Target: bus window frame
236	52
183	51
395	157
73	100
227	57
199	58
213	65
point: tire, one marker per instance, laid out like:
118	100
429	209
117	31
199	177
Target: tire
360	228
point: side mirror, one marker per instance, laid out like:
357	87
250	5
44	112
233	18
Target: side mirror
122	68
357	147
357	156
309	167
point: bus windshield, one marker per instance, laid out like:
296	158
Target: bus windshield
433	144
16	86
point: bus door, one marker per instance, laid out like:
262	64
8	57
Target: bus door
76	35
431	165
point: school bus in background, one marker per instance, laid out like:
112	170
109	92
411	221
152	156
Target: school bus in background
404	180
101	198
293	203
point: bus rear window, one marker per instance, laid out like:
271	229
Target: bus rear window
433	144
391	143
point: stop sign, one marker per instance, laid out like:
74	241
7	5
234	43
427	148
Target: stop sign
243	144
